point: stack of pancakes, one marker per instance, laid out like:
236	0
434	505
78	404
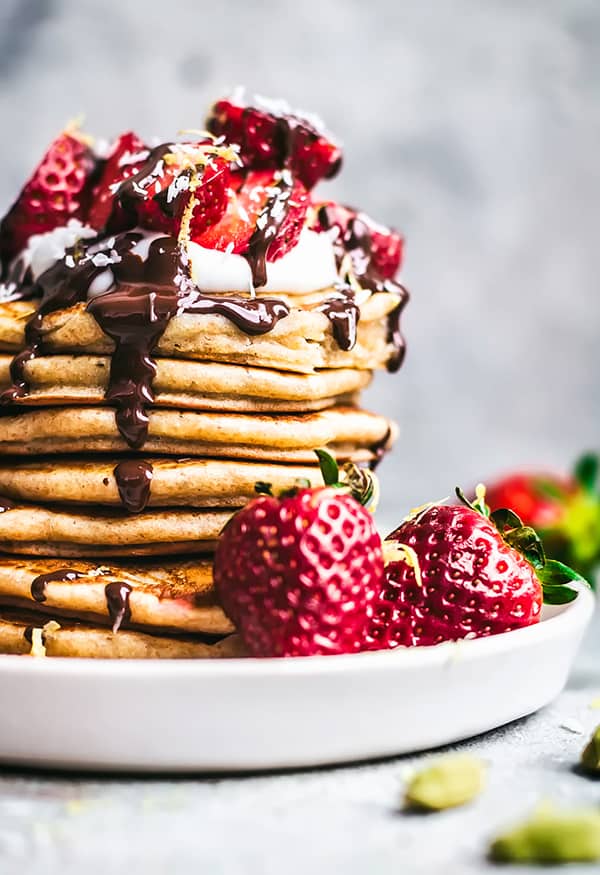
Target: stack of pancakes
121	459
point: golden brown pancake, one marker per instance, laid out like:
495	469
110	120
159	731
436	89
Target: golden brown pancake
301	342
175	596
174	482
83	379
348	432
36	530
80	640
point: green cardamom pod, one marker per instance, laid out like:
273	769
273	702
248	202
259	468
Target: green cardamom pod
590	758
551	836
447	782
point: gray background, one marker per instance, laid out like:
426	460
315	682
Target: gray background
473	125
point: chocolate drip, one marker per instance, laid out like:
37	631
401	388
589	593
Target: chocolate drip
117	602
343	312
134	479
356	242
39	583
379	449
267	226
28	634
250	315
6	504
394	334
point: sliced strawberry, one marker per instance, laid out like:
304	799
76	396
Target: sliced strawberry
126	157
374	248
386	248
269	138
58	190
246	202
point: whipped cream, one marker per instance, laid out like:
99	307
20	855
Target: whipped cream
43	250
308	267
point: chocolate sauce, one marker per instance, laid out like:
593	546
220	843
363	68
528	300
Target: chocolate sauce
356	242
394	334
117	602
134	479
6	504
379	450
343	312
39	583
268	224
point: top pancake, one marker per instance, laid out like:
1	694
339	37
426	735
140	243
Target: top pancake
302	342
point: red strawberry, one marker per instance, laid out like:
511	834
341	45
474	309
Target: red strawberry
270	138
127	155
158	193
149	187
538	498
374	248
57	191
564	509
298	574
455	573
248	197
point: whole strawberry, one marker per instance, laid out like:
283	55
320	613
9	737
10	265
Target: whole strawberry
59	189
298	574
455	572
564	510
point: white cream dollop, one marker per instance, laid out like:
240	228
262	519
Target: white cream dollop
308	267
43	250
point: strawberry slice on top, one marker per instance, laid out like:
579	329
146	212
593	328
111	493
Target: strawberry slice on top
249	197
150	187
373	247
272	137
58	190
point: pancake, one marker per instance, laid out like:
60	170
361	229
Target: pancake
89	642
302	342
348	432
166	483
43	531
173	597
83	379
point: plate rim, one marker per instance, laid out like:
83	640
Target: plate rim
579	610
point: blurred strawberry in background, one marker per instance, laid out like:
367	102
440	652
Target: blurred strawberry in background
564	509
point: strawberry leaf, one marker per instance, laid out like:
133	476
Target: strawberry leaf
555	573
329	468
505	520
559	595
586	472
263	488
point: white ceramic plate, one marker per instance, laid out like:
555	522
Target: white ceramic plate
236	715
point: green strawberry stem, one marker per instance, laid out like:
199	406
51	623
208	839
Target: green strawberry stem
554	576
361	483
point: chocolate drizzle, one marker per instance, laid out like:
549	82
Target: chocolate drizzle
39	583
117	603
379	449
134	480
343	312
268	224
355	243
